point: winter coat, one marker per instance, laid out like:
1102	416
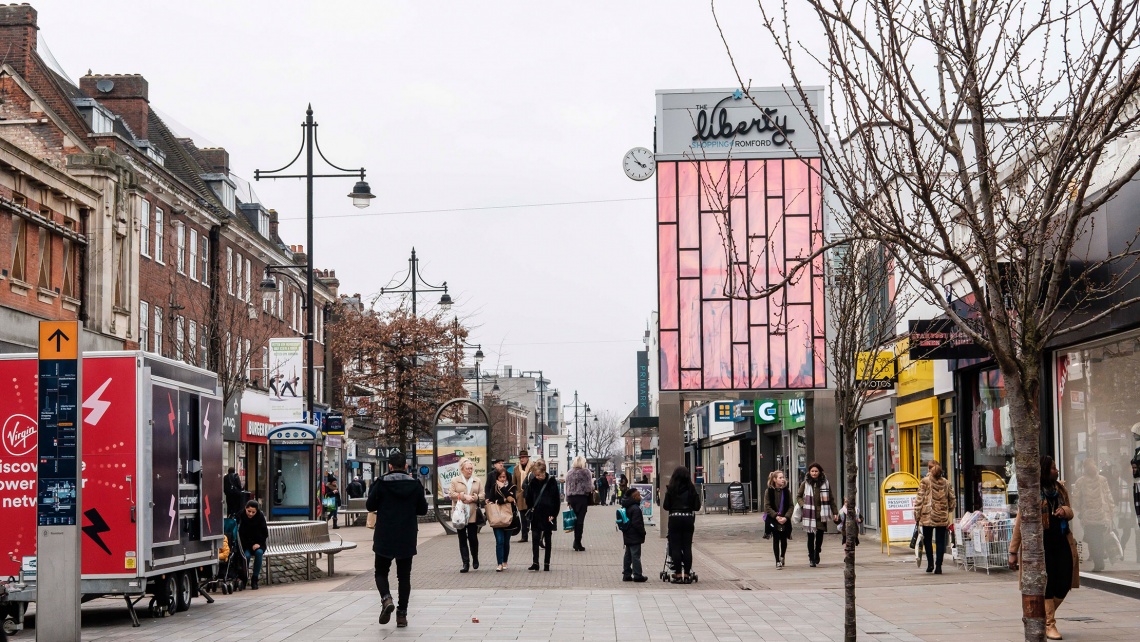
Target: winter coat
579	481
459	486
772	508
935	502
1015	540
520	476
816	499
231	488
1093	500
686	501
397	499
252	530
634	532
544	504
355	489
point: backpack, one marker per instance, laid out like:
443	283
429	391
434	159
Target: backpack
622	519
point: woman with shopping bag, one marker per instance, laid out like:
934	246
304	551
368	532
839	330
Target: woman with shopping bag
543	498
466	495
935	504
501	516
579	487
816	506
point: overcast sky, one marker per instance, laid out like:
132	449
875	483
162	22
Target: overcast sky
454	110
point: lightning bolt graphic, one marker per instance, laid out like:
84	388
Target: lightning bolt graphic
206	420
170	415
207	510
173	513
96	405
96	528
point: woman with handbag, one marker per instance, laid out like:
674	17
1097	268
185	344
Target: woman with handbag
778	508
331	502
501	516
817	507
936	504
579	489
466	494
543	499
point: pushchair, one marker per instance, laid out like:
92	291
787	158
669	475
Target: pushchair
666	575
234	571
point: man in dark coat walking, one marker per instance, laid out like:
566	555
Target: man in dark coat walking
397	499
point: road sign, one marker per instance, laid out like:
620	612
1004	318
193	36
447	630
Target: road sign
59	484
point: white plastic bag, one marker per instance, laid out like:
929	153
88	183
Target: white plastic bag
459	515
798	515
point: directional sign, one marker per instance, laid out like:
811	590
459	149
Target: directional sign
59	340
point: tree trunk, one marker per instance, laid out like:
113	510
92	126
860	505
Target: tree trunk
1025	416
851	526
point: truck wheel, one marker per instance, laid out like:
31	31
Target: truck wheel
185	594
166	595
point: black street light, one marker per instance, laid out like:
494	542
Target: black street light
478	359
576	441
418	284
361	195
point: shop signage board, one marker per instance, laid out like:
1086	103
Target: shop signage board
285	376
897	496
643	383
453	444
695	124
876	369
766	411
942	339
58	482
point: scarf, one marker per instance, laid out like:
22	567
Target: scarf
811	521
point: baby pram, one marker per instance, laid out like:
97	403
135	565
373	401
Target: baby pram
667	575
234	571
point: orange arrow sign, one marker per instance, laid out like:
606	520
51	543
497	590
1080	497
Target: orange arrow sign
59	339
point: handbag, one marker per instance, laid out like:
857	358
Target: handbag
370	521
914	537
593	498
798	514
569	520
459	515
516	522
480	516
499	515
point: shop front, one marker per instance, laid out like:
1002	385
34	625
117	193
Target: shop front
985	441
252	462
876	426
1096	398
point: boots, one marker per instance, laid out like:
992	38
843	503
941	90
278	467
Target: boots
1051	631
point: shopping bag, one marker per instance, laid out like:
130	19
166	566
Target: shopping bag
569	519
459	516
330	504
499	515
914	537
798	514
370	521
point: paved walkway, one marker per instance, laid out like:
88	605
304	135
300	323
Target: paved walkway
740	596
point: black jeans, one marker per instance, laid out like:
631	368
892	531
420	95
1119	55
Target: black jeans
779	543
681	543
934	536
468	538
538	535
524	522
578	504
815	544
403	580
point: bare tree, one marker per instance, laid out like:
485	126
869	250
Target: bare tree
403	366
600	439
980	142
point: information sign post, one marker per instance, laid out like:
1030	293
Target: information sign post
59	485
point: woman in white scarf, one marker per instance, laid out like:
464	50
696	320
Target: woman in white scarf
467	490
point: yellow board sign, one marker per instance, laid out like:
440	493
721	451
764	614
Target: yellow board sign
897	511
59	340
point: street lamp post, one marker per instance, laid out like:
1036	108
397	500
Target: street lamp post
576	406
478	359
361	195
418	284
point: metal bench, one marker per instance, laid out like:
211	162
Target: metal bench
309	539
354	510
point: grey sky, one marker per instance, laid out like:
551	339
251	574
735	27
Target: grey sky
448	106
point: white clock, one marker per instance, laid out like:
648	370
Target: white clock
638	163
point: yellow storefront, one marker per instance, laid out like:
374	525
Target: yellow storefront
917	415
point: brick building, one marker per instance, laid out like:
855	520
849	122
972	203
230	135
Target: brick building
110	216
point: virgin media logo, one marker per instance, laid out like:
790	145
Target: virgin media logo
19	435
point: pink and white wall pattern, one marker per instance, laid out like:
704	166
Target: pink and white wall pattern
760	218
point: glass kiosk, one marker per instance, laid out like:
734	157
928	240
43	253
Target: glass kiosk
294	454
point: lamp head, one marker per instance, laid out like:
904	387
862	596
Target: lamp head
361	194
478	356
445	302
268	288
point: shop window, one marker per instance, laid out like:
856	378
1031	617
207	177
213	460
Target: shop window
19	249
991	435
1097	393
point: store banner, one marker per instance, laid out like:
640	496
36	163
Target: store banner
646	501
898	517
453	444
286	368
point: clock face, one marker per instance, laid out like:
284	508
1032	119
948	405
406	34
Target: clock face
639	164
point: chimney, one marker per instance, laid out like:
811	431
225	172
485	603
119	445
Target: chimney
18	35
128	95
273	224
217	160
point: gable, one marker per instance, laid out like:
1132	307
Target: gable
28	122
